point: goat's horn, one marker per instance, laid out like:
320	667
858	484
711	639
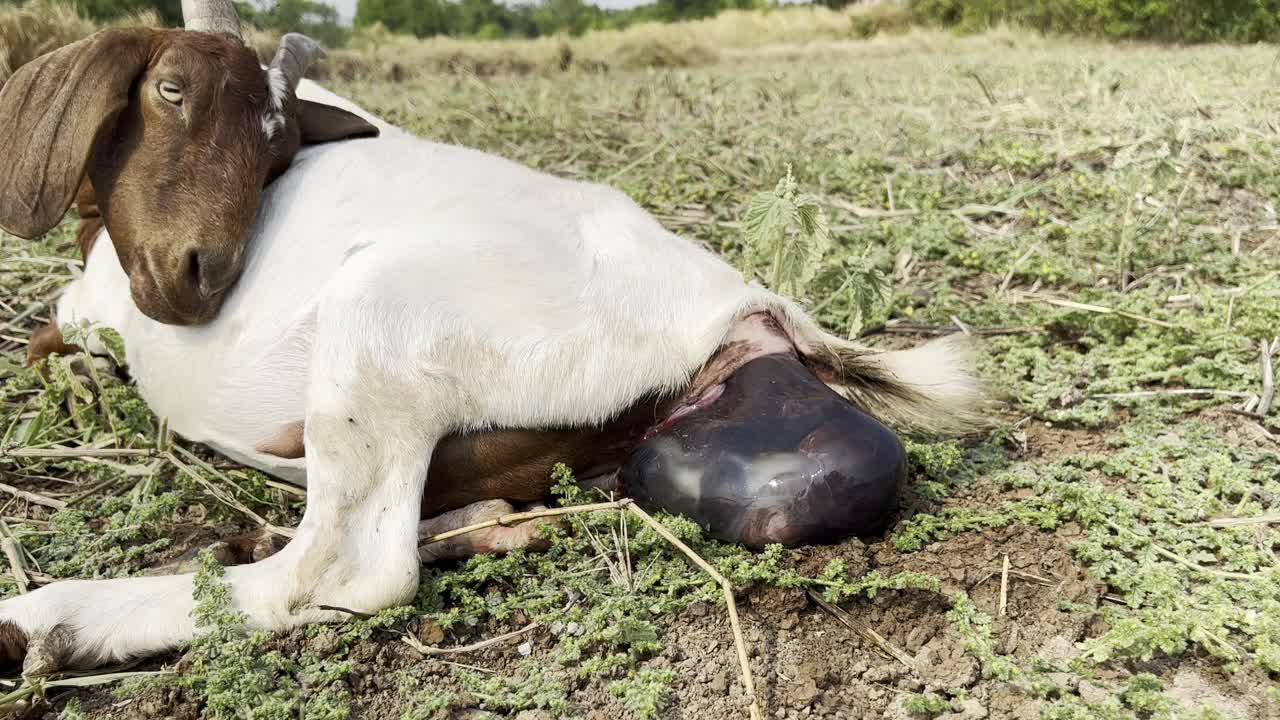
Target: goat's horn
295	55
217	16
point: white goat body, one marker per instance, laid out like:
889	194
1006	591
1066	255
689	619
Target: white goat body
395	291
565	285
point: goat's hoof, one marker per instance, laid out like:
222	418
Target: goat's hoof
49	653
37	654
13	646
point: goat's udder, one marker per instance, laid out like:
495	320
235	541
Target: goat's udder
287	443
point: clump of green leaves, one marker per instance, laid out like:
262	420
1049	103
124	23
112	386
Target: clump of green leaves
72	711
645	692
926	705
787	235
866	289
789	242
423	703
123	532
228	664
536	689
1143	508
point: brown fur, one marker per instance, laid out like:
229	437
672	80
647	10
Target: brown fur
90	218
516	465
511	465
177	185
13	644
47	341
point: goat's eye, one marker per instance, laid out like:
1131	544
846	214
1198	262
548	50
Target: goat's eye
170	92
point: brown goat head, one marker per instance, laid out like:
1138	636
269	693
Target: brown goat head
177	132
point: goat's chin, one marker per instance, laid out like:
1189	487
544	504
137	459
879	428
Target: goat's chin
163	308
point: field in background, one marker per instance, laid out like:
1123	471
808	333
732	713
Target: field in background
372	53
1103	217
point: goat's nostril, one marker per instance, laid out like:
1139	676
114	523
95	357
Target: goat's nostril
192	271
202	274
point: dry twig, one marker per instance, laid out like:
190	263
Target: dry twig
1004	586
874	637
429	651
32	497
1073	305
226	498
1008	276
1268	519
17	566
1268	378
1171	391
72	453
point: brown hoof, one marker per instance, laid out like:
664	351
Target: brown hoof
36	656
13	648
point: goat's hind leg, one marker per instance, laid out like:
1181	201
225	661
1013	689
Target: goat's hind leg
495	540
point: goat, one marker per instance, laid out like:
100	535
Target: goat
176	132
405	308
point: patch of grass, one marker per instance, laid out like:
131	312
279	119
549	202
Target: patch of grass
534	690
72	711
33	28
424	703
228	667
645	693
30	30
39	26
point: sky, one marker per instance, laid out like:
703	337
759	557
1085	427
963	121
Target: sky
347	8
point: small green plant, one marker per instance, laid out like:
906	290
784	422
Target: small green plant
227	662
788	242
644	693
535	690
787	236
72	711
926	705
423	703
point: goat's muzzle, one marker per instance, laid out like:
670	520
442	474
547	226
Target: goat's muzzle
187	288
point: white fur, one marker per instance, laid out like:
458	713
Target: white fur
395	290
278	89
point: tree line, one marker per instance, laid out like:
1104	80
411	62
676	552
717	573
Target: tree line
312	17
493	19
1179	21
485	19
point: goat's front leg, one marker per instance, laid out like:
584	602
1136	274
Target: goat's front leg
370	431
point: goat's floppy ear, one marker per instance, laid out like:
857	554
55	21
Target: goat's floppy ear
51	112
319	123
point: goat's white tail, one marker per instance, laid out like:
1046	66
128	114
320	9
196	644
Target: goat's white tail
929	388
